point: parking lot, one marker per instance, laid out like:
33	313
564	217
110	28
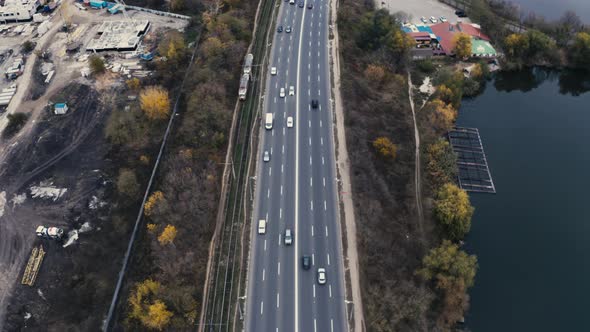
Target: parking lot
418	8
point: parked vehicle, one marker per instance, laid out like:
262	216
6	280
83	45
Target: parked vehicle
55	233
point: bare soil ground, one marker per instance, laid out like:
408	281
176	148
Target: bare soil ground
70	152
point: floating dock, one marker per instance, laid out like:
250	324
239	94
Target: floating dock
474	173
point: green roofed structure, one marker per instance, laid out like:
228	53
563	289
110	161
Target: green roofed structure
482	49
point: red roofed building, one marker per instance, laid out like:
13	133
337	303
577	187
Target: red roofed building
446	32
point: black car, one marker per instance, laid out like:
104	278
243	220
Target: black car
288	29
314	103
306	262
460	13
310	5
280	28
301	4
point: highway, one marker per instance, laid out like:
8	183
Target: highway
297	188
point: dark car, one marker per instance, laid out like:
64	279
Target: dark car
306	262
310	5
301	4
280	28
315	103
460	13
288	29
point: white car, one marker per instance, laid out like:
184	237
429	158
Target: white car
288	237
273	70
291	90
266	157
282	93
290	122
423	19
433	19
321	276
443	19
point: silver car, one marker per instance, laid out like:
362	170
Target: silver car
288	237
266	157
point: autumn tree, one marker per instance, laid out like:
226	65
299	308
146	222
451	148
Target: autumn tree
516	45
579	50
462	45
452	271
375	73
96	65
133	84
155	198
442	115
155	102
168	235
441	163
173	46
146	307
385	147
127	183
453	210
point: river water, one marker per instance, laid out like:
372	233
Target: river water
553	9
532	238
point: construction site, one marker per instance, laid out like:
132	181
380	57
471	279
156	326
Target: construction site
55	171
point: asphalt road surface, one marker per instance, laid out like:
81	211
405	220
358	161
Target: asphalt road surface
296	189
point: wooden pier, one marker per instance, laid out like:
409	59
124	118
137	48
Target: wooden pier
474	173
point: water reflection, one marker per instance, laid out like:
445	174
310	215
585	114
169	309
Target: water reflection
571	82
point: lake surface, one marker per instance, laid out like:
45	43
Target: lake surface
553	9
532	238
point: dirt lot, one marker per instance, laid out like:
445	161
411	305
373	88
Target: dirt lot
63	163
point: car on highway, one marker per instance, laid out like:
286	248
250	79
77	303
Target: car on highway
288	29
266	156
314	103
261	226
310	5
290	122
288	237
443	19
306	262
423	19
301	4
291	90
282	93
273	70
321	276
280	28
291	2
433	19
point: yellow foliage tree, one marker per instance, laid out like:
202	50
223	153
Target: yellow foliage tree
516	44
212	47
157	316
444	93
151	227
453	210
477	71
144	306
375	73
168	235
443	114
155	102
152	201
133	84
462	45
385	147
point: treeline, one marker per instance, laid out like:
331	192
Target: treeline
168	271
448	270
529	39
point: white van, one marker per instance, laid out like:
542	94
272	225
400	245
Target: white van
268	121
261	226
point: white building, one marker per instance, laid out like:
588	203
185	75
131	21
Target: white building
18	10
